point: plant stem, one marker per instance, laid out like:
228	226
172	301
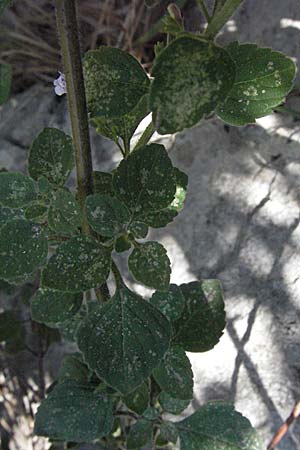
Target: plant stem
70	48
204	9
221	17
285	427
144	139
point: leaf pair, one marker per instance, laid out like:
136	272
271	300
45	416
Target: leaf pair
193	77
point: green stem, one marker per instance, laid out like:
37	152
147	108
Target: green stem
221	17
70	48
217	6
204	9
144	139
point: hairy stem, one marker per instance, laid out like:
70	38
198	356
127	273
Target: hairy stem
221	17
70	49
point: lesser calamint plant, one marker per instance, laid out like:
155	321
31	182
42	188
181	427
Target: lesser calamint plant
131	365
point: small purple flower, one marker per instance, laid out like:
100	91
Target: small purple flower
60	86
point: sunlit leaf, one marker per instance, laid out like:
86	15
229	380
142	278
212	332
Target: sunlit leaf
123	126
114	80
217	426
191	77
263	79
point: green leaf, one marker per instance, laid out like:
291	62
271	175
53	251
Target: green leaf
72	368
36	212
203	319
159	219
175	375
169	432
10	327
52	156
124	340
79	264
172	405
181	188
68	328
263	79
23	248
7	214
170	303
217	426
150	265
5	78
124	126
102	182
138	229
145	181
64	216
138	400
74	412
114	81
106	215
52	306
171	26
16	190
191	77
139	435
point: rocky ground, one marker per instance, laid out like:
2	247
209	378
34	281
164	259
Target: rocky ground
240	224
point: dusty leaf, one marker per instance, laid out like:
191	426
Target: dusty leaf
74	412
23	248
124	340
52	306
150	265
16	190
191	77
217	426
51	155
202	322
106	214
79	264
114	81
263	79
